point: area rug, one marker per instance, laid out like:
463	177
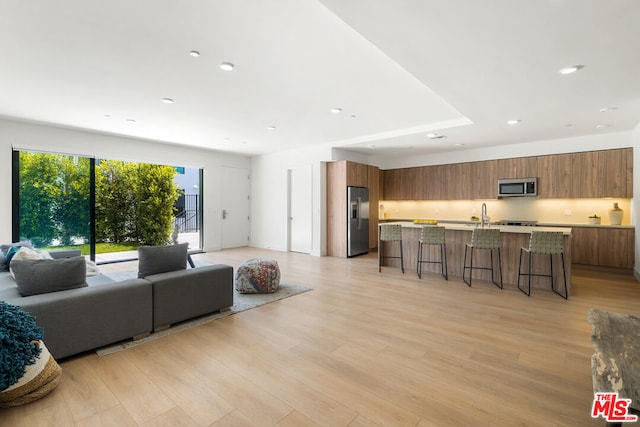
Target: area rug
241	302
615	365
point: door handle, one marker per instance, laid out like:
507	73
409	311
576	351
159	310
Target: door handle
224	214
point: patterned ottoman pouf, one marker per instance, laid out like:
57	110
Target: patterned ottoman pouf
258	275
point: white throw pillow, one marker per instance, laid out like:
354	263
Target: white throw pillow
28	253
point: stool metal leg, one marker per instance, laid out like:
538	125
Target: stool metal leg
443	258
529	293
519	271
470	268
401	257
564	276
419	264
379	255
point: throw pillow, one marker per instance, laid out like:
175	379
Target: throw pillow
40	276
161	259
4	263
10	253
27	253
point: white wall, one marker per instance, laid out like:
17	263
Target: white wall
536	148
55	139
269	204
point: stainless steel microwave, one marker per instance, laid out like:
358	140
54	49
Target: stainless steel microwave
521	187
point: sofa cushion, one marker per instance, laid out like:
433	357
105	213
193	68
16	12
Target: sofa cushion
49	275
161	259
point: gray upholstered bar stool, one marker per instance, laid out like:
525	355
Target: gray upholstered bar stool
433	235
483	238
390	233
544	243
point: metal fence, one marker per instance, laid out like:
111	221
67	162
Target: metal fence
188	213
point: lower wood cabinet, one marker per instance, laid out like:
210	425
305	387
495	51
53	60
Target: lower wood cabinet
605	247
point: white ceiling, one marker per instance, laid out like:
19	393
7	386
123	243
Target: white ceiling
398	69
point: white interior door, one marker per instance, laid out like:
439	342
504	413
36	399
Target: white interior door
235	207
300	214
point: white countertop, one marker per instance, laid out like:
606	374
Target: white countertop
503	228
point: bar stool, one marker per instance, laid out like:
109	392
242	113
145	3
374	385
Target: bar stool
390	233
544	243
483	238
433	235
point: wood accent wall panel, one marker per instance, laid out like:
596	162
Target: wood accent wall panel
374	196
337	209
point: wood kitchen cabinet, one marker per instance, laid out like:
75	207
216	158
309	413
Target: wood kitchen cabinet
555	176
484	178
606	173
357	174
520	167
391	184
605	247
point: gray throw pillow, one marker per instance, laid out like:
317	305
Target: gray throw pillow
161	259
41	276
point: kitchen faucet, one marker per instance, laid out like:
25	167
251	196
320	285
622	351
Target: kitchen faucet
483	215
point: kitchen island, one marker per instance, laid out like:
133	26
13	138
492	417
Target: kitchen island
458	235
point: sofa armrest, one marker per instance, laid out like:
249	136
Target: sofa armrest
184	294
64	253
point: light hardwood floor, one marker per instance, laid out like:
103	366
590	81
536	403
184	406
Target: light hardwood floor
362	349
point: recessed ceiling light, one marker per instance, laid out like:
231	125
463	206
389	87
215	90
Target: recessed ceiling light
131	120
336	110
434	135
571	69
603	126
568	125
371	146
459	145
603	109
194	53
353	116
513	122
108	116
227	139
226	66
271	128
167	100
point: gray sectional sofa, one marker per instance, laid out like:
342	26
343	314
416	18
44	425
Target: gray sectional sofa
107	311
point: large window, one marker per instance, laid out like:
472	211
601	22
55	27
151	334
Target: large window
106	208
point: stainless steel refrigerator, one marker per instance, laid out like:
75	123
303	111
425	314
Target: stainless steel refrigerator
358	224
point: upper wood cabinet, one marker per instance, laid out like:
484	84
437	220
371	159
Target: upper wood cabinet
484	179
357	174
520	167
555	176
607	173
594	174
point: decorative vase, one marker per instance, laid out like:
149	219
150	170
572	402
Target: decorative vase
615	215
